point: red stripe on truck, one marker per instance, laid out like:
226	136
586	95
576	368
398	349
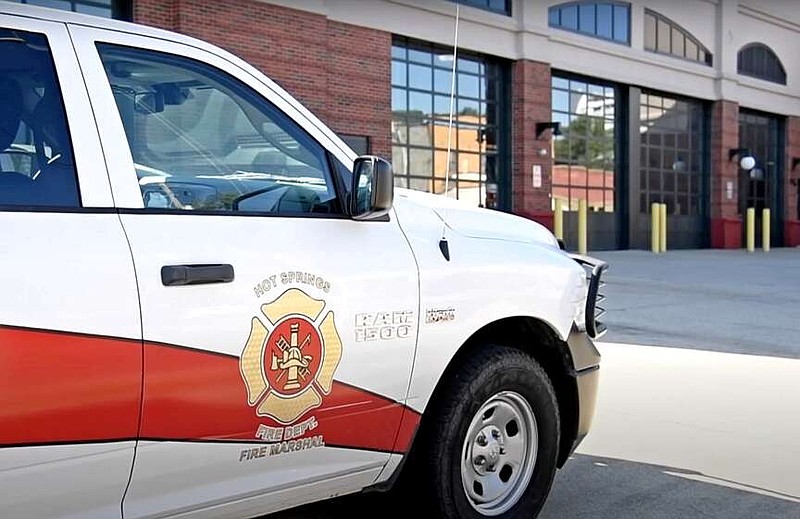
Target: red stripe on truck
192	394
58	387
64	387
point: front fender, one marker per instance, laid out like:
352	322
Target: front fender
484	281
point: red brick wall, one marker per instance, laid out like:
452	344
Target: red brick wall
340	72
359	77
726	225
531	104
790	186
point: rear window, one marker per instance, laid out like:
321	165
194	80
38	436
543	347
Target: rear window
36	159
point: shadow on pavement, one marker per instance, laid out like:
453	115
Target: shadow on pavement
600	488
595	487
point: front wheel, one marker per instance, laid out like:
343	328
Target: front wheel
490	449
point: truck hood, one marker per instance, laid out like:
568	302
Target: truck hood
476	222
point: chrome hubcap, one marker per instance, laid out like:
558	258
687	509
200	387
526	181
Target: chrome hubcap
499	453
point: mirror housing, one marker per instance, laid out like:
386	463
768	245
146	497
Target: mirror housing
372	191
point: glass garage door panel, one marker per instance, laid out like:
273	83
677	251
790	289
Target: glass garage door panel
585	158
672	169
759	188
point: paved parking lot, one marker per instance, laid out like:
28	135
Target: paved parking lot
719	300
698	412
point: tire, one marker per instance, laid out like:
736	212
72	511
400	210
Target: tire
499	405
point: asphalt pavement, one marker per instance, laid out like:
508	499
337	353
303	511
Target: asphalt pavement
699	409
719	300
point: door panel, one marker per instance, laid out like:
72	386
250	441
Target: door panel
70	329
297	369
669	164
586	161
761	188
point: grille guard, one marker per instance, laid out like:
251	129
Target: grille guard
594	273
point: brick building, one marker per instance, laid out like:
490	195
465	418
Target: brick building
656	101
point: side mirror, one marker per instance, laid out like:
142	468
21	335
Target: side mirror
372	189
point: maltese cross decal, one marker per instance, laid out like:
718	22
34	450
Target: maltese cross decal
290	357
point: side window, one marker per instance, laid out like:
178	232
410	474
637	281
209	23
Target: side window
36	164
203	141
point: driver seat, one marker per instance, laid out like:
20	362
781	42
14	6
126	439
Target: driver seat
56	182
15	188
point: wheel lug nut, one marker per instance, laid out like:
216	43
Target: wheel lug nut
495	433
480	461
481	439
502	450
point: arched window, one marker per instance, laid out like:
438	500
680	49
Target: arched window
758	61
664	36
606	20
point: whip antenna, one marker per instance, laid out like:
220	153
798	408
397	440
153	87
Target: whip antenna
443	246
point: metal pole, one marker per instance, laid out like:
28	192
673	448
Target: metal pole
765	223
663	227
751	229
655	219
582	245
558	219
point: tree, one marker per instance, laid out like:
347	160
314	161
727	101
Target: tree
586	142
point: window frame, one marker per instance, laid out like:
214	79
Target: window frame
618	141
117	9
752	46
258	102
558	8
700	178
91	175
120	165
408	52
673	26
485	5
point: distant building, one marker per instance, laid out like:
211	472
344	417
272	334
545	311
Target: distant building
652	97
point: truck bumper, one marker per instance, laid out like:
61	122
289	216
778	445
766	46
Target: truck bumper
586	360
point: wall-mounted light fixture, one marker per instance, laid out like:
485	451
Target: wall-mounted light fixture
746	161
679	165
795	162
550	125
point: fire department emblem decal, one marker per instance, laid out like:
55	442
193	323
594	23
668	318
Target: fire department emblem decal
290	357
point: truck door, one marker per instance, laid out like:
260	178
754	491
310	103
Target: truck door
70	329
279	333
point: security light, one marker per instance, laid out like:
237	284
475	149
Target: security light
746	161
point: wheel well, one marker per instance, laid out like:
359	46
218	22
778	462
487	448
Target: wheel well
541	342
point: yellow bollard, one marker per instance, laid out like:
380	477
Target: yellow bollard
582	245
655	233
662	227
751	229
765	237
558	220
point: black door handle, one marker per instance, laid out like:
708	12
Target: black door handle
180	275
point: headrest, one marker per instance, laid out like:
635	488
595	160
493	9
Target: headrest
10	111
48	120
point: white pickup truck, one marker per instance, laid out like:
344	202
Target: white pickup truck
211	308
